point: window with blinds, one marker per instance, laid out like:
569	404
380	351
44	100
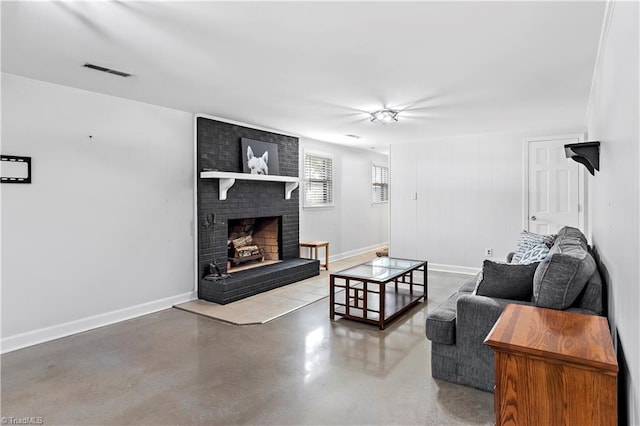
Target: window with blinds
318	181
379	184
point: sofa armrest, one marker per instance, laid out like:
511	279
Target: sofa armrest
476	315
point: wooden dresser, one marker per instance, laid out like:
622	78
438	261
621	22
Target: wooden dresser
553	368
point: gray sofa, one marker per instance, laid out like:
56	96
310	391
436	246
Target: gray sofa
566	279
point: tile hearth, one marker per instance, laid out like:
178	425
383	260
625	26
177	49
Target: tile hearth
272	304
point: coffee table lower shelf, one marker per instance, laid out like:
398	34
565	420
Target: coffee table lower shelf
395	304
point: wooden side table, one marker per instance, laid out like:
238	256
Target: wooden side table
313	251
553	368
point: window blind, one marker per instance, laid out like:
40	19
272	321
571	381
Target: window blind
379	184
318	181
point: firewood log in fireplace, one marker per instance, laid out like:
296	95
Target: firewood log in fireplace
242	241
242	250
247	251
246	254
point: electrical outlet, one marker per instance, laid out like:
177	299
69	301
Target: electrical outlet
488	252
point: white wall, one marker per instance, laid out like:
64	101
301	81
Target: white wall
613	120
469	198
354	224
104	231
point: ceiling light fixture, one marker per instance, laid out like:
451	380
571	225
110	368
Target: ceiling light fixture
384	116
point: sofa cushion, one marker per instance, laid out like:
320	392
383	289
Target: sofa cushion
562	276
571	237
506	280
441	322
591	296
527	241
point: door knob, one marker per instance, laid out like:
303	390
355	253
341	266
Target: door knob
533	218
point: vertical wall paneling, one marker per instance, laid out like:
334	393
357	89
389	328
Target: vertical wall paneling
402	188
469	198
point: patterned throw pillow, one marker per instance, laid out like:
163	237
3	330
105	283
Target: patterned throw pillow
537	253
529	240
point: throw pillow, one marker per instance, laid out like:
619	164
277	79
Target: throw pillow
537	253
529	240
506	280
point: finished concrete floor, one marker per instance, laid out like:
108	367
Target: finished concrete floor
175	367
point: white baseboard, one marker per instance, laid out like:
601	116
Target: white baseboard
346	254
23	340
453	268
431	266
19	341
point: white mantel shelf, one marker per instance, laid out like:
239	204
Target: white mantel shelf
227	179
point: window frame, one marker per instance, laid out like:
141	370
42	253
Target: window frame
374	184
305	181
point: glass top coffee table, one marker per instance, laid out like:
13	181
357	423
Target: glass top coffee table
378	291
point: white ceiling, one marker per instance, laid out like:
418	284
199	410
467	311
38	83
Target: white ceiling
315	68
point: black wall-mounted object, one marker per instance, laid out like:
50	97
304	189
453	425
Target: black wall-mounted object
24	166
587	153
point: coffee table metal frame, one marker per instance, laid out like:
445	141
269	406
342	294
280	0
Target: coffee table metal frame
379	297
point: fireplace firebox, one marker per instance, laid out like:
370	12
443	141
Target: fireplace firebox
253	242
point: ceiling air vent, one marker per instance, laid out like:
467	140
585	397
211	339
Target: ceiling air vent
109	70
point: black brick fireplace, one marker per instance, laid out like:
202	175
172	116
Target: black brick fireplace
219	149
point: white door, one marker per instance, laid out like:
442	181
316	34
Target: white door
554	187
